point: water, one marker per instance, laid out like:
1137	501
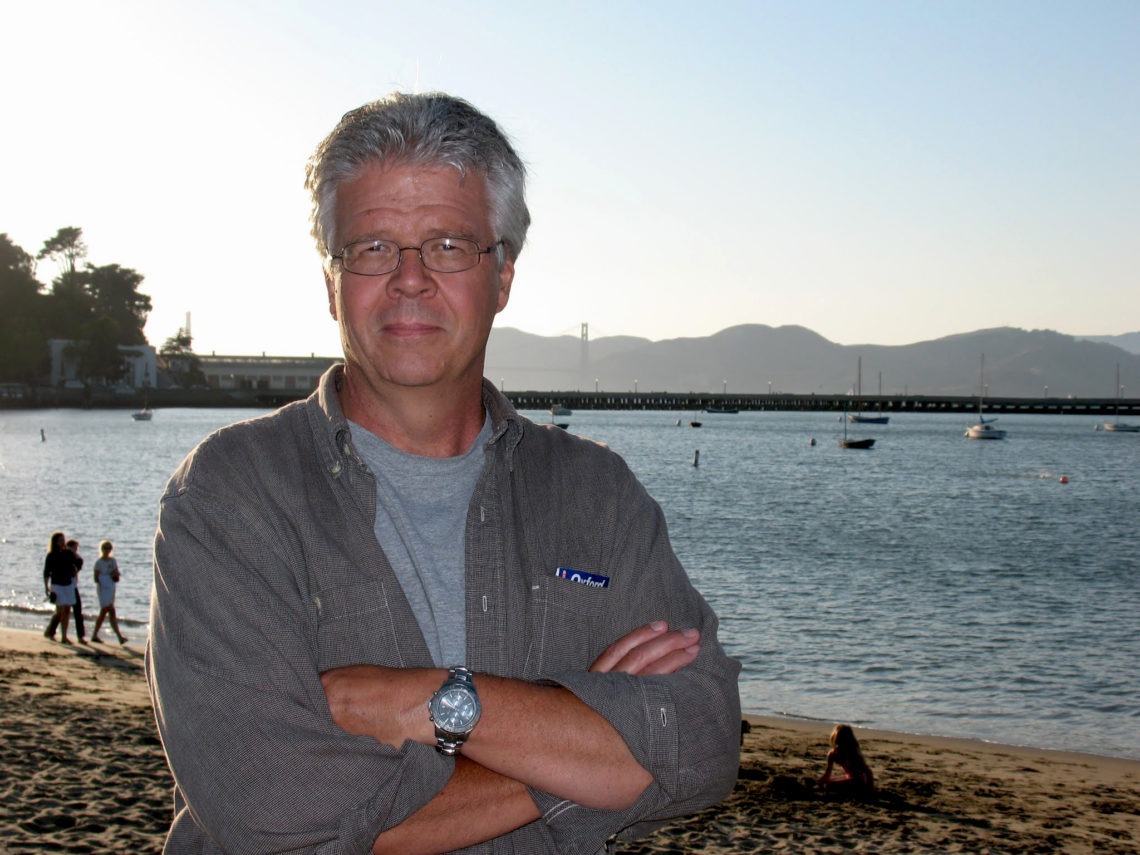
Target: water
929	585
97	475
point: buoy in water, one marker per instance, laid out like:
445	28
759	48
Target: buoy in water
697	457
1064	479
812	441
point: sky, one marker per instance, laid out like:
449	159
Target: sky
879	172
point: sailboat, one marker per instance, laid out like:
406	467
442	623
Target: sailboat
853	443
860	418
145	414
985	428
1117	426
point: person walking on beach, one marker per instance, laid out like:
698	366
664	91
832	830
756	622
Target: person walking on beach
106	578
856	778
492	602
77	609
59	584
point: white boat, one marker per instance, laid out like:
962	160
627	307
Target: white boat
143	415
1116	425
985	428
561	410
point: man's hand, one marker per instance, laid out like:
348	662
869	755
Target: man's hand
388	704
650	649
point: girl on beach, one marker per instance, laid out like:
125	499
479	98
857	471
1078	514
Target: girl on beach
856	777
106	577
59	579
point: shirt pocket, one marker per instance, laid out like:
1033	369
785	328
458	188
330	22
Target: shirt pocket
355	626
575	624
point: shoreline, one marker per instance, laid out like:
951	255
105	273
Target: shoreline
30	620
86	773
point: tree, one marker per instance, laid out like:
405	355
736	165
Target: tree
66	248
97	308
97	350
177	358
114	294
23	309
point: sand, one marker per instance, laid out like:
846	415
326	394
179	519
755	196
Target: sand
83	772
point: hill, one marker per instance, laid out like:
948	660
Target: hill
1128	341
755	358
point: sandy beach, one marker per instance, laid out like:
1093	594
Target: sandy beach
84	773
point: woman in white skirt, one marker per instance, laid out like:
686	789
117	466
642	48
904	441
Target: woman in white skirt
59	580
106	577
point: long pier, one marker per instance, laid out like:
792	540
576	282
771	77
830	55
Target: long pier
825	403
685	401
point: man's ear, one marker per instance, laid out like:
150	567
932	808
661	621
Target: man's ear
330	287
506	277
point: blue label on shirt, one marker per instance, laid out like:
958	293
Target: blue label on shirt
581	577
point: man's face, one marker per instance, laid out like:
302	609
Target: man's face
415	327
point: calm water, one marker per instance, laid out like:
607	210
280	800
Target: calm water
930	585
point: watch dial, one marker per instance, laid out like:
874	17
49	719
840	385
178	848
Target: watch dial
455	710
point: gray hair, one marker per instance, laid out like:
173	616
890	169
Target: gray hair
432	129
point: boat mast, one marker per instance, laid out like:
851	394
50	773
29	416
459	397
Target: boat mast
982	390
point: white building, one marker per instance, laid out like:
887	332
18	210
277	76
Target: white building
294	374
141	361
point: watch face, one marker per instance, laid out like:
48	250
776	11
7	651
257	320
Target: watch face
456	710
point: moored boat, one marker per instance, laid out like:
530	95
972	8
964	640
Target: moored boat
985	428
1117	426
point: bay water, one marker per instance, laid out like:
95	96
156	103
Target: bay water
932	584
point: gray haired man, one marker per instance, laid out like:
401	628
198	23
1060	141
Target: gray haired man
398	616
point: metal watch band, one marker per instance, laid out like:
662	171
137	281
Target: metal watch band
446	742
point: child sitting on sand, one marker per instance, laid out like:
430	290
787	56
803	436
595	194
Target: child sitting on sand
856	778
106	577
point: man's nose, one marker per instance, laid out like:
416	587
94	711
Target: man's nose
411	278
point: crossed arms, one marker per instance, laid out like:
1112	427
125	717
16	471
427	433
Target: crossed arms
530	735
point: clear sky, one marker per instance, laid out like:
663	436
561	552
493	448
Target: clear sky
880	172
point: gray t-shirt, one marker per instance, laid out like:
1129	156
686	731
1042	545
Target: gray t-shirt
421	518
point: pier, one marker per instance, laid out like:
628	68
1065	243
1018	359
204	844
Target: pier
890	404
1128	408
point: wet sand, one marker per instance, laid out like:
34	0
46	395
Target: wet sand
84	773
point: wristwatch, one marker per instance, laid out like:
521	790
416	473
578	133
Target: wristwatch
454	710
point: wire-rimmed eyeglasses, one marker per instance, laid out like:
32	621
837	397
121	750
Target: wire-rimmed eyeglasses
441	254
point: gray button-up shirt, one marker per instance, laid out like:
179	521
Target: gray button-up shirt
268	572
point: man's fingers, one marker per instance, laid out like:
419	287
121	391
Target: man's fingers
616	651
651	649
671	663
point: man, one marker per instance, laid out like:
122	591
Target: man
398	616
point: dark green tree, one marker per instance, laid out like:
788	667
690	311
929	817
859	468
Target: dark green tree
23	310
97	308
71	305
97	350
66	249
114	294
178	359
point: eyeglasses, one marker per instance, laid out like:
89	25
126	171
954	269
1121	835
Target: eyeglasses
441	254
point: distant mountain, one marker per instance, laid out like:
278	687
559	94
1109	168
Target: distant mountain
1127	341
794	359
